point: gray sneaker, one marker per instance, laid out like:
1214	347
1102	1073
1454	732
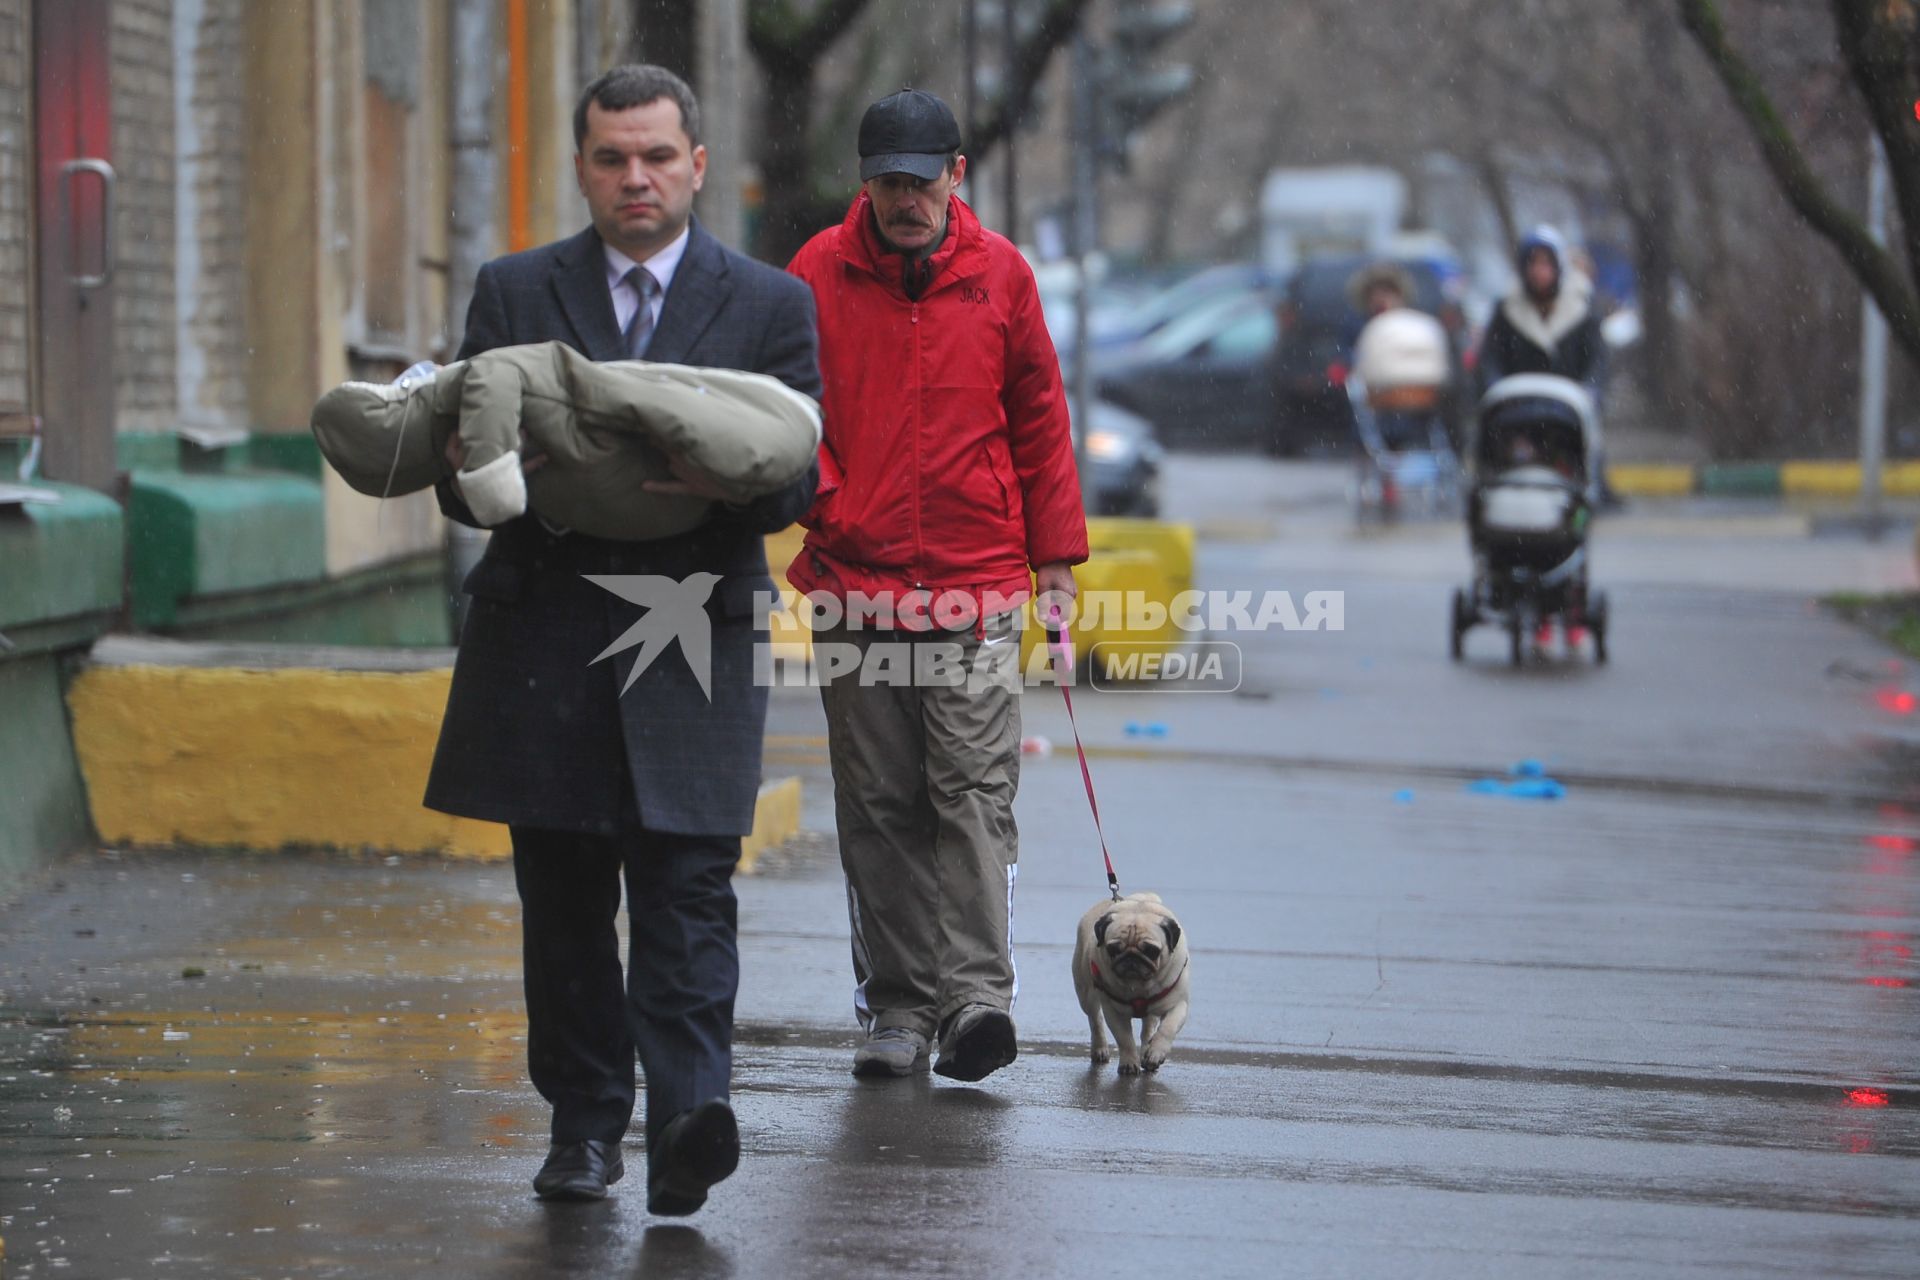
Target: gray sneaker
891	1051
977	1041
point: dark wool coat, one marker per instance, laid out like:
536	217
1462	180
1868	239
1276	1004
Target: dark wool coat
536	732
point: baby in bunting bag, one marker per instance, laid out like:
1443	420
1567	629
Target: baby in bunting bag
605	429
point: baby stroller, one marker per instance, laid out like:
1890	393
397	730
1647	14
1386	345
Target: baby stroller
1398	390
1531	498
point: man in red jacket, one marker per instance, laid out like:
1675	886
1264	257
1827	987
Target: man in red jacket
947	478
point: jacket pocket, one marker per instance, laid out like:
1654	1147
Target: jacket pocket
1000	468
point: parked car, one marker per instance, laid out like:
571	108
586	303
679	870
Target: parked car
1131	319
1108	298
1202	378
1123	457
1317	326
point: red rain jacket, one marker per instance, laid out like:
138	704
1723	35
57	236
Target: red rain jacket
947	461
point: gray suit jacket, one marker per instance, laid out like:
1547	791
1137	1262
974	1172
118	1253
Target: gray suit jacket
536	732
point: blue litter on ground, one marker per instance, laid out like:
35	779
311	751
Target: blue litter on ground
1156	729
1519	788
1528	769
1403	797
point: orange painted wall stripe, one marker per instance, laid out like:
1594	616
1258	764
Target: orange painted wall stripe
519	189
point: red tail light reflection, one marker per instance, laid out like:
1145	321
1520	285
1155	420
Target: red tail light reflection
1867	1097
1896	983
1893	844
1900	702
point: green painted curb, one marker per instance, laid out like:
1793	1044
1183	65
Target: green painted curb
193	534
45	815
299	454
62	559
1741	479
296	452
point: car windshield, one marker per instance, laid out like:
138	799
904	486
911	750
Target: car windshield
1168	304
1181	337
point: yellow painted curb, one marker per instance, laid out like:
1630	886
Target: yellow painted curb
776	818
1127	587
1651	480
1832	478
1842	479
1135	569
267	759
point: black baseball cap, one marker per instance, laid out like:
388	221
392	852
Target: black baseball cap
909	132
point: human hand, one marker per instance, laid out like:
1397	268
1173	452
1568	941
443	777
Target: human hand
1054	592
530	462
688	481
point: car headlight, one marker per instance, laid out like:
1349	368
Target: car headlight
1106	445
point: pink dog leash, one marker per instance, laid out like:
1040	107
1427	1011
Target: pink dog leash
1060	651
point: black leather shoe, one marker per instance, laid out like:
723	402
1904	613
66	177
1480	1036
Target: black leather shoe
978	1041
579	1171
699	1147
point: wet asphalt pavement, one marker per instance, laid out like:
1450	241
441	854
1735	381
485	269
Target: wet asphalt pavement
1665	1025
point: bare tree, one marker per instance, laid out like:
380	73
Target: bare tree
1057	23
1880	40
788	42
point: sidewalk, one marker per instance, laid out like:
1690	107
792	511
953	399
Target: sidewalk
1663	1025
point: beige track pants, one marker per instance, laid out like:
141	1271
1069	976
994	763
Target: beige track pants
924	738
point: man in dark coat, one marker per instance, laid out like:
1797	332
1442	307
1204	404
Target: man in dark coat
602	772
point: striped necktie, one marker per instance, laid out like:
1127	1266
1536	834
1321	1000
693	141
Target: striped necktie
640	329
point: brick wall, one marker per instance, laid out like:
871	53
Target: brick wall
210	101
143	158
16	284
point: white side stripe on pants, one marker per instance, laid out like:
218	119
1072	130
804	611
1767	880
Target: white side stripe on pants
862	962
1013	874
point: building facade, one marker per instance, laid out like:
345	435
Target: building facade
211	211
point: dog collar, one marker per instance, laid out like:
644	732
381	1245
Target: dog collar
1137	1003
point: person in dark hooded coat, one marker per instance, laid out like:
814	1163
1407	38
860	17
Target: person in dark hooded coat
1547	324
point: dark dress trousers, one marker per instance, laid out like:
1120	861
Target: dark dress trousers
654	786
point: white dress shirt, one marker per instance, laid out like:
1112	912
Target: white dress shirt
661	266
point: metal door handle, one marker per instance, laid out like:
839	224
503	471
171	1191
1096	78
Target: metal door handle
104	171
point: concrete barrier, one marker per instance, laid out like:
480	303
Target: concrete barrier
1805	478
267	748
1138	562
1651	480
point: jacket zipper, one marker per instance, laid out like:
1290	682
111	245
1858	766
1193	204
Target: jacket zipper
919	552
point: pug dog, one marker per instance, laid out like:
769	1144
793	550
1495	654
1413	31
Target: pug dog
1130	961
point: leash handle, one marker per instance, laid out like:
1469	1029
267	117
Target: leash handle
1060	651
